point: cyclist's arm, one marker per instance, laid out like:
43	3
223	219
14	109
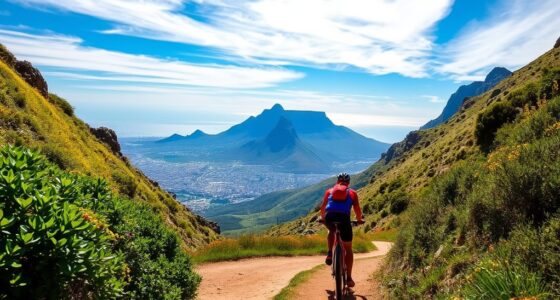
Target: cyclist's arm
324	204
356	206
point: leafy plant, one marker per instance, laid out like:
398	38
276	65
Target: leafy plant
489	121
50	246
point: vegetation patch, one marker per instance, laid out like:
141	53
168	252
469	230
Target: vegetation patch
258	246
66	236
301	277
488	228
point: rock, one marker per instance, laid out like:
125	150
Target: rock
398	149
211	224
7	57
32	76
109	137
557	45
438	252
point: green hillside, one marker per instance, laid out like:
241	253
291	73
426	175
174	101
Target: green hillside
49	125
476	198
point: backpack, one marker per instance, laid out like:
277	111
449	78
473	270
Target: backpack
340	192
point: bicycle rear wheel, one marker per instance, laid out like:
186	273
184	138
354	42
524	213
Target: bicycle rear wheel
338	271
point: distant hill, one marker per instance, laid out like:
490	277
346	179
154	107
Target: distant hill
474	89
293	141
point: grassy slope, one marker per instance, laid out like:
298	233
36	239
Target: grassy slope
29	119
435	151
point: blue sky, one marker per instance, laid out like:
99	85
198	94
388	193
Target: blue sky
383	68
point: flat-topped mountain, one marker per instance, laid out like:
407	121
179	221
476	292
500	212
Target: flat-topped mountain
292	140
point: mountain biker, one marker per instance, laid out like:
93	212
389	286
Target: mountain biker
336	207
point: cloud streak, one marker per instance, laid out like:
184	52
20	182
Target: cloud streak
517	32
376	36
67	53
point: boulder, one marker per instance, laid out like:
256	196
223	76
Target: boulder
32	76
108	137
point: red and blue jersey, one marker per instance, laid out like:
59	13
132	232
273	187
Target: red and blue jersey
340	199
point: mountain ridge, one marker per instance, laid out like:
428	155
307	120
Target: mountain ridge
473	89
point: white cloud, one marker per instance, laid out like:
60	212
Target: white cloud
67	53
433	99
377	36
516	32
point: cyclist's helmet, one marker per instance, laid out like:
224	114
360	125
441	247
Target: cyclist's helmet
343	177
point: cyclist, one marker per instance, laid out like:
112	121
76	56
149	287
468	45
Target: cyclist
336	207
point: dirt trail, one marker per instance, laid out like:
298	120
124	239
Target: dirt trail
262	278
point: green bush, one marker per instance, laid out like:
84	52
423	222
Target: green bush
157	266
490	120
550	86
50	247
66	236
62	104
56	155
126	185
500	277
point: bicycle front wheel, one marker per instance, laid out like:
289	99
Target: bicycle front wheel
338	271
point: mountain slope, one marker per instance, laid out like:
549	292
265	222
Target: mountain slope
283	147
28	118
474	89
486	179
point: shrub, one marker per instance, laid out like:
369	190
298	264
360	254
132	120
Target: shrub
157	266
550	86
399	203
126	185
62	104
57	156
489	121
50	247
497	277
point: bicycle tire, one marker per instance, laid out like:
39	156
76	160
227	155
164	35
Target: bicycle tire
338	270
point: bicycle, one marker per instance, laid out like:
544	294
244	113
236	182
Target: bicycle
339	262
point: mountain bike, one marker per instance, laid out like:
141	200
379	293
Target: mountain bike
339	262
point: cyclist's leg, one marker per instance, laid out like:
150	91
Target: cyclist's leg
330	238
349	259
346	236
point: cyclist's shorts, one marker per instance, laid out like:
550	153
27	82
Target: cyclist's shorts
345	225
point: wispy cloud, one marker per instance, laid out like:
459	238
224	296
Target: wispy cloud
377	36
517	32
433	99
69	54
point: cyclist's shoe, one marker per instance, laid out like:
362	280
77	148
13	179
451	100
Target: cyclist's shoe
349	282
328	259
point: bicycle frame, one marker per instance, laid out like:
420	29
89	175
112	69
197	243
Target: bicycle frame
338	242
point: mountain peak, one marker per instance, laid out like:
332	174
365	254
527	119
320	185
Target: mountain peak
197	133
496	75
277	107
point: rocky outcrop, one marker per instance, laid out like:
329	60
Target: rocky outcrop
32	76
7	57
25	69
398	149
108	137
213	225
557	45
